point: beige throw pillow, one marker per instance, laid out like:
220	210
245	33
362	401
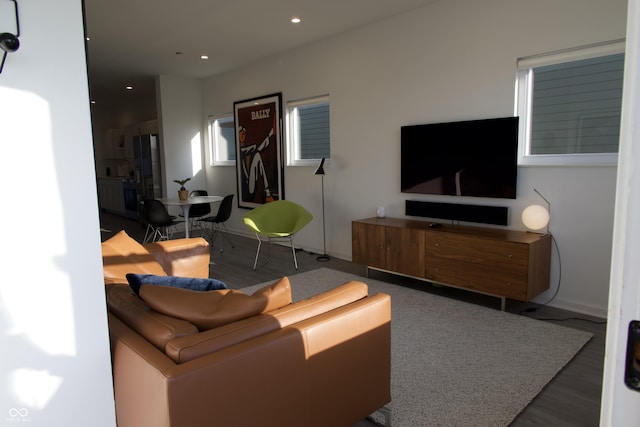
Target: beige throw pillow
210	309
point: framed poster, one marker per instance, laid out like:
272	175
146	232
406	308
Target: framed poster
259	163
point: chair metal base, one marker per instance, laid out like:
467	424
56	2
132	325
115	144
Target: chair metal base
155	234
196	224
269	240
217	229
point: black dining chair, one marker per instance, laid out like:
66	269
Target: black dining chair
159	222
217	223
198	210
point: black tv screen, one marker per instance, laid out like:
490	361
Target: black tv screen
477	158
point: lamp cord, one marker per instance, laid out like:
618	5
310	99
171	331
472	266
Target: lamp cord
553	239
533	309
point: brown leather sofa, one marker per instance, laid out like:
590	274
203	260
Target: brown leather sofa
323	361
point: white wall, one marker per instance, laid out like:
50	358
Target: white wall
179	119
453	60
55	360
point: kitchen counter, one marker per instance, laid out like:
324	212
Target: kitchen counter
118	195
111	194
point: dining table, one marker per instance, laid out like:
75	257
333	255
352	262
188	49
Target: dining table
186	206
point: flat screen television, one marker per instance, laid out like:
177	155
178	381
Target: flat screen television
477	158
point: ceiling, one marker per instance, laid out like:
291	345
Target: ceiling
131	41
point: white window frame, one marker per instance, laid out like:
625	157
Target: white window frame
293	131
218	152
523	101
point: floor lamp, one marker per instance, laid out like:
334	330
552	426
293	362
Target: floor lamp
324	256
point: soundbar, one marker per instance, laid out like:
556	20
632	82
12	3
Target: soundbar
496	215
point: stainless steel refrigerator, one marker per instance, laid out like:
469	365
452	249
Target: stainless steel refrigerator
146	151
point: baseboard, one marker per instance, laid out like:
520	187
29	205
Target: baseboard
588	310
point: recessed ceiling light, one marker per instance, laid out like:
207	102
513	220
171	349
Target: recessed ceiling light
129	87
204	57
296	20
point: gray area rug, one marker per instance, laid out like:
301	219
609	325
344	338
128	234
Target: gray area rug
455	363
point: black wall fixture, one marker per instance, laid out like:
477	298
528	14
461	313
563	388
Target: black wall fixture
9	42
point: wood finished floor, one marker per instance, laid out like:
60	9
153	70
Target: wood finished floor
571	399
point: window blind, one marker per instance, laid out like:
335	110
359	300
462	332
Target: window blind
228	137
314	131
576	106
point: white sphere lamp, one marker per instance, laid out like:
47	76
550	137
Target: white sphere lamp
535	217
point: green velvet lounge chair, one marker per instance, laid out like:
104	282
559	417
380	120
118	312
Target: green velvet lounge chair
277	221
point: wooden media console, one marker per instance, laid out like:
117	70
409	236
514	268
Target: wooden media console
498	262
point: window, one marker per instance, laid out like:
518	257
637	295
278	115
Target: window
569	105
222	140
308	131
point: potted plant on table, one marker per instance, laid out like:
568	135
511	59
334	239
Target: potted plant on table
183	194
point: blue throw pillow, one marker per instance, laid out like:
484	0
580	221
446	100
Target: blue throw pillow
195	284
